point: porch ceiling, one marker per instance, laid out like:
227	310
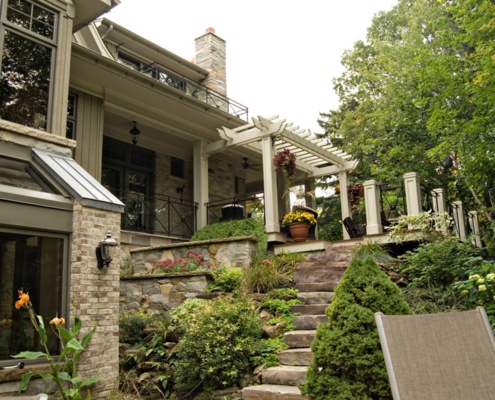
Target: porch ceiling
315	156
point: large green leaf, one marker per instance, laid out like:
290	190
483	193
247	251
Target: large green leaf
30	355
25	380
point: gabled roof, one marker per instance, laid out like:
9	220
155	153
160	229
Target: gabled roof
315	156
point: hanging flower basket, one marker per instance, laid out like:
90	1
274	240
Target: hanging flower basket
285	161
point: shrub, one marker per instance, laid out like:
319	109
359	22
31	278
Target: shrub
437	264
427	226
374	250
227	278
219	338
348	361
234	228
193	262
262	276
132	324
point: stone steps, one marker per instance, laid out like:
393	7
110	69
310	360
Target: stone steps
272	392
316	279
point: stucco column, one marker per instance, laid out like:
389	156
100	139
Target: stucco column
272	224
345	209
438	200
459	219
413	193
200	185
372	204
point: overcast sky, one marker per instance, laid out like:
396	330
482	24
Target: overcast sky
281	54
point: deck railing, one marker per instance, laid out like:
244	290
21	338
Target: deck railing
239	207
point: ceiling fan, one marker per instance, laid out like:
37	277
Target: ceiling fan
247	164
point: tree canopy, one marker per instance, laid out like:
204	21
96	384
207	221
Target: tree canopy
419	92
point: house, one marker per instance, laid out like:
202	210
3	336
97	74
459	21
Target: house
104	131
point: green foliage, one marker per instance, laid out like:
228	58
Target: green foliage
234	228
132	324
262	276
425	226
227	278
219	338
373	250
330	218
64	372
348	361
479	287
285	293
267	352
432	300
277	306
437	264
193	262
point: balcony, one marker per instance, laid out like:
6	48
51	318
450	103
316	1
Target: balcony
194	89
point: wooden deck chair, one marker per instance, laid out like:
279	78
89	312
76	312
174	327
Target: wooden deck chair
445	356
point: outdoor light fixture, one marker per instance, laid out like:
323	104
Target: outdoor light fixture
104	251
134	133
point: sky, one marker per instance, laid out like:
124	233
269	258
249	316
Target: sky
282	55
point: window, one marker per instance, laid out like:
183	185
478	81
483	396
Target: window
71	117
33	262
177	167
28	42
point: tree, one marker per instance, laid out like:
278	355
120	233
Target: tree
420	89
348	362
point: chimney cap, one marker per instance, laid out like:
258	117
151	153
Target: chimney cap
210	30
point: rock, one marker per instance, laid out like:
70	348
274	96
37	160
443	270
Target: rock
273	331
265	316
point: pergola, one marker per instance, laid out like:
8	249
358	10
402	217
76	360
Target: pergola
316	158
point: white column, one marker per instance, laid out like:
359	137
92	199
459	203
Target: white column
272	224
459	220
372	204
438	200
200	179
413	193
345	209
475	228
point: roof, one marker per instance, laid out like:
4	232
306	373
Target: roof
77	181
315	156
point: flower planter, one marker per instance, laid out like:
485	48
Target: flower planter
299	231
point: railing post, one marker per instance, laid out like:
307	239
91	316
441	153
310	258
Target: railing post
475	228
413	193
344	201
459	220
372	204
438	200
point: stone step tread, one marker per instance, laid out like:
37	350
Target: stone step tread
272	392
309	309
299	338
322	264
301	357
315	297
315	276
309	322
328	286
291	375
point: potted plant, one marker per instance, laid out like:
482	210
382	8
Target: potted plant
299	221
285	161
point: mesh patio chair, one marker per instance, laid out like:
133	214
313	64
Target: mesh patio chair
443	356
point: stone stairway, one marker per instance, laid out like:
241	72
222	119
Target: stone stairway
316	279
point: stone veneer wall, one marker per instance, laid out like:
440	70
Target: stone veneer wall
95	296
160	293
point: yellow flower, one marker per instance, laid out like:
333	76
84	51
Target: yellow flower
23	299
482	288
464	292
299	216
474	277
57	321
480	281
491	277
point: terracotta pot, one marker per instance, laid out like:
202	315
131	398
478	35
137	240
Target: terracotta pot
299	231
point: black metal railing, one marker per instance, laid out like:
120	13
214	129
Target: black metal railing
239	207
393	199
426	199
196	90
159	215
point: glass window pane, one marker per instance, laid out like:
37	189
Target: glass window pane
34	264
25	81
32	17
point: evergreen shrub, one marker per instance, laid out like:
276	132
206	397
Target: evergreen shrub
234	228
348	362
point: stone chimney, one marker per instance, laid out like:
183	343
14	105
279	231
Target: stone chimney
211	55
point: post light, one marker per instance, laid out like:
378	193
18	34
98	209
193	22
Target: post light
104	251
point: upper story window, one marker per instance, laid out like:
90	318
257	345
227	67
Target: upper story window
28	42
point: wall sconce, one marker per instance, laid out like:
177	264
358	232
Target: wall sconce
134	133
180	189
104	251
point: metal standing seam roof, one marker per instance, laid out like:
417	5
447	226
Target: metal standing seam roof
316	156
77	181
